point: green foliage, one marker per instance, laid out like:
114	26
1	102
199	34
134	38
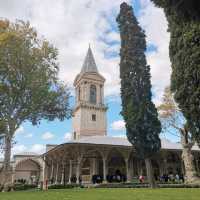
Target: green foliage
29	85
67	186
139	112
19	187
186	10
183	19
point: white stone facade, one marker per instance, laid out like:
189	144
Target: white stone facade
26	167
89	116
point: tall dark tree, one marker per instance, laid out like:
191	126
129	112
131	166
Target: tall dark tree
138	110
184	26
29	86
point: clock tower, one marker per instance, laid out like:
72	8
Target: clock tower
89	115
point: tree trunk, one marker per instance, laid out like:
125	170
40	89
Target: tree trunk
7	170
190	171
150	174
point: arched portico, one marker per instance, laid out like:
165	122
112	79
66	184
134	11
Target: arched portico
84	160
92	165
29	169
116	166
173	163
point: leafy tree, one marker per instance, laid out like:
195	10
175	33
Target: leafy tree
174	122
29	85
183	20
139	112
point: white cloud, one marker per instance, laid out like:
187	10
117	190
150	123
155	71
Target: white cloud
70	26
120	135
38	148
118	125
20	130
155	25
29	135
19	148
48	136
16	149
67	136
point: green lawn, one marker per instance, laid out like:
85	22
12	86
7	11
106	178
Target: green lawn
105	194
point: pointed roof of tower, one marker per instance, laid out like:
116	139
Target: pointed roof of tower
89	64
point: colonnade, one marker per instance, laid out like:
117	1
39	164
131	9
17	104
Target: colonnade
61	167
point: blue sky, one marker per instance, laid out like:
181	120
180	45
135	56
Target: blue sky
71	26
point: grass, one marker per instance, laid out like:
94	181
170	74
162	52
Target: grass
105	194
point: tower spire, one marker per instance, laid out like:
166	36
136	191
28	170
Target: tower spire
89	64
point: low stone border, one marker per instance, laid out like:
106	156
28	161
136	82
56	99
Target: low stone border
145	185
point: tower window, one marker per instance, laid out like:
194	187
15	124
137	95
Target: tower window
75	135
79	93
93	117
101	97
93	94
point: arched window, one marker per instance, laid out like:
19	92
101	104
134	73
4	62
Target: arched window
101	96
79	93
93	94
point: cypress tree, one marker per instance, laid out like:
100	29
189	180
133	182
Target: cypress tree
138	111
184	27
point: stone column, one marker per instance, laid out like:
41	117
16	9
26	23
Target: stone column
128	177
102	94
161	166
63	173
52	170
131	169
13	176
57	168
70	171
197	164
88	93
45	175
94	166
165	166
105	169
78	170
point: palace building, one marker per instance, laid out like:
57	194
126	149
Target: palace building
91	155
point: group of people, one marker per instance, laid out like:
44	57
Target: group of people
166	178
117	177
174	178
97	179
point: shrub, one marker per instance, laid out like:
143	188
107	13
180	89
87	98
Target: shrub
145	185
19	187
67	186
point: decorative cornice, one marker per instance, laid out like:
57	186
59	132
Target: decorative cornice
88	105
